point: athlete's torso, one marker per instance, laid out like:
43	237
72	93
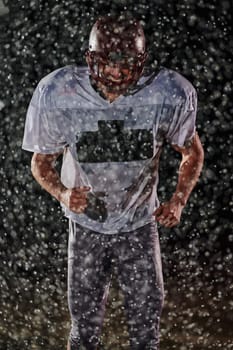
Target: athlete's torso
114	147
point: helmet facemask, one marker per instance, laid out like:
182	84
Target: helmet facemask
130	67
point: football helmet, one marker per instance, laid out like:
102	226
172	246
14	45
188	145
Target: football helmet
117	42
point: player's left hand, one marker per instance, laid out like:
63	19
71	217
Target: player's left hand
169	213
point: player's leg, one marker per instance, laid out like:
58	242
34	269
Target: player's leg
140	278
88	283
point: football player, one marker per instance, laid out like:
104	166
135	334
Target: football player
109	120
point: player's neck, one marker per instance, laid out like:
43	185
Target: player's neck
110	96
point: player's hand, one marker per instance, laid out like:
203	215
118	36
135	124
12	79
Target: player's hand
75	199
169	213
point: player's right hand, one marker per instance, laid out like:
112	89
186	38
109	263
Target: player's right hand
75	199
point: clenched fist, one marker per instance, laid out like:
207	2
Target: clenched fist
75	199
169	213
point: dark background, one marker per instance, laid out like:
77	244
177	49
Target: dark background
191	37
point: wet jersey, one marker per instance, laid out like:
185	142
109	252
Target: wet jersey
112	147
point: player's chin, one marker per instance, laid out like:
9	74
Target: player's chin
119	86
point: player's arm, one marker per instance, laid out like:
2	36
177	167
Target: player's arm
168	214
45	173
190	169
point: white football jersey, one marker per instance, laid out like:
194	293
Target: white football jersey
112	147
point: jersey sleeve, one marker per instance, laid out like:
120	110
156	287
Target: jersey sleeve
41	133
183	122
